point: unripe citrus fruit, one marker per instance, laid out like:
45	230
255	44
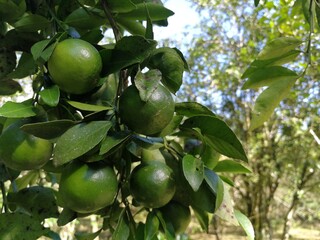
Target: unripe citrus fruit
176	214
152	185
75	66
88	187
146	117
22	151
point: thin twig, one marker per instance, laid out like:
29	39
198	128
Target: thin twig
114	26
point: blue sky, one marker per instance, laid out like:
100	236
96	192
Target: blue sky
184	16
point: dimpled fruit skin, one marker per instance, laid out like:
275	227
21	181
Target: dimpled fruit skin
88	187
75	66
146	117
152	185
22	151
176	214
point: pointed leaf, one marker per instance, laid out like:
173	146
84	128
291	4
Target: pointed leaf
216	185
88	107
190	109
112	141
78	140
9	87
31	23
147	83
87	236
226	210
15	225
231	166
152	226
18	110
202	217
39	202
156	11
121	6
256	3
38	48
128	51
193	171
67	215
245	224
86	18
218	135
269	99
122	230
279	47
26	67
48	130
50	96
267	76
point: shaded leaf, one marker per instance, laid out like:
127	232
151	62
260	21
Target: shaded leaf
132	26
202	217
218	135
190	109
151	227
121	6
18	110
128	51
193	171
112	141
87	236
9	87
231	166
147	83
39	202
269	99
31	23
122	230
48	130
67	215
82	137
172	126
216	185
88	107
86	18
15	225
26	67
156	12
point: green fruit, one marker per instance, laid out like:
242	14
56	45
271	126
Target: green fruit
22	151
146	117
152	185
75	66
88	187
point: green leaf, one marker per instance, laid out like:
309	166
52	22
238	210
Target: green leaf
171	65
132	26
18	110
317	11
231	166
112	141
267	76
26	67
149	29
38	48
122	230
256	3
216	185
156	12
278	47
226	210
88	107
50	96
86	18
121	6
67	215
128	51
193	171
15	225
31	23
11	10
78	140
202	217
269	99
9	87
48	130
87	236
245	224
39	202
172	126
152	226
218	135
147	83
7	173
190	109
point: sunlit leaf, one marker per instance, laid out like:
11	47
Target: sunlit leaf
246	224
193	171
190	109
88	107
269	99
50	96
18	110
78	140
